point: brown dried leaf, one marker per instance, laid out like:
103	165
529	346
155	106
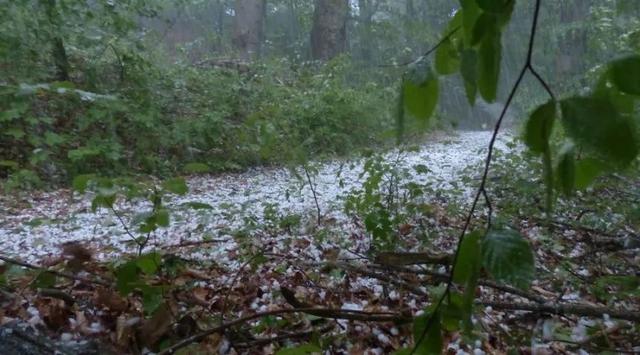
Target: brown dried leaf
110	300
157	326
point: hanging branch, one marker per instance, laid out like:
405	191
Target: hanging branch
527	67
427	53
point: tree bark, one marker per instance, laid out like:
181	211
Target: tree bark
329	32
59	53
248	28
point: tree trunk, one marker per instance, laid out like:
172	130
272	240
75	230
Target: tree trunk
59	53
365	18
572	43
329	32
248	28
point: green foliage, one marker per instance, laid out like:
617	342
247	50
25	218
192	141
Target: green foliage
596	125
432	343
625	73
566	170
300	350
380	204
44	280
177	186
125	108
539	128
420	98
466	274
508	257
608	287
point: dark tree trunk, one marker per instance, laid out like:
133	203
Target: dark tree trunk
329	32
59	53
572	43
365	19
248	28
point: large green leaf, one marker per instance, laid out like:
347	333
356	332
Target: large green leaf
470	13
466	273
447	58
508	258
495	6
485	26
566	170
586	170
196	168
625	74
126	277
81	182
431	343
489	56
595	124
177	186
300	350
539	127
420	99
469	258
149	263
469	71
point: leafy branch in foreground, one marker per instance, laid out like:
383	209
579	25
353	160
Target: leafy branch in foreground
600	125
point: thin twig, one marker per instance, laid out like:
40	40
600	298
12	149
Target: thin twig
427	53
315	194
334	313
57	273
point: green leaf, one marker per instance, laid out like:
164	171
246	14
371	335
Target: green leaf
595	124
587	170
566	170
537	134
485	26
469	258
53	139
495	6
45	280
152	297
625	74
447	58
149	263
454	313
300	350
489	56
431	343
162	218
470	13
81	182
15	132
103	200
177	186
420	99
539	127
466	273
196	168
10	164
126	277
508	258
469	71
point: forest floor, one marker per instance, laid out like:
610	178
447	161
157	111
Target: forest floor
254	247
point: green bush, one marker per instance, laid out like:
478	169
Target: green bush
157	121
